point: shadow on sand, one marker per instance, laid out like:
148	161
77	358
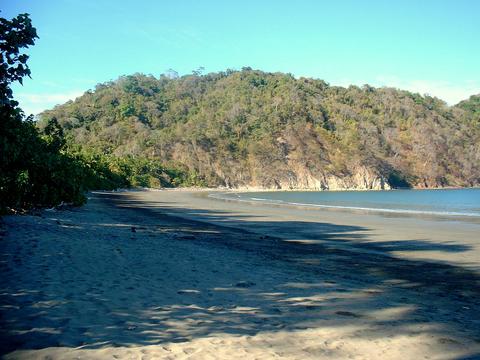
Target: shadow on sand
322	276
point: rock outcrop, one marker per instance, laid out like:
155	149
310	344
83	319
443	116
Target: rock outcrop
362	179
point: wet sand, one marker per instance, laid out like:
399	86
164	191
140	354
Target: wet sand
175	274
452	240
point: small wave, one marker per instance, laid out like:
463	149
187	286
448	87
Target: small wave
224	196
400	211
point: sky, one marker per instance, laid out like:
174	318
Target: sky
425	46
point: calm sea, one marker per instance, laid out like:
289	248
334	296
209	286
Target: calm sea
451	202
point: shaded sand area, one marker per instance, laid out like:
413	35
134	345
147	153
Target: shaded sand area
178	275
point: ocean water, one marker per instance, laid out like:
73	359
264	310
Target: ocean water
443	202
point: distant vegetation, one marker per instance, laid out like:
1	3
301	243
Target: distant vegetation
250	127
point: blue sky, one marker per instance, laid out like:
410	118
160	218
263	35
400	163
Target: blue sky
424	46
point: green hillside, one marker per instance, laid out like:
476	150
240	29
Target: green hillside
270	130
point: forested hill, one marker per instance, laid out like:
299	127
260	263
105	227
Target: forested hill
270	130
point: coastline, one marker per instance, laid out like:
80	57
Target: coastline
174	274
236	196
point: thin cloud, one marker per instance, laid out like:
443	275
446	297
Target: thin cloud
36	103
451	93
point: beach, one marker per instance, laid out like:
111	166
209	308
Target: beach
181	275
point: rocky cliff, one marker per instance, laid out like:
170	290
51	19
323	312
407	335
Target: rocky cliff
362	179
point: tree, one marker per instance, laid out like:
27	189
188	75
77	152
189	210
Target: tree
17	137
53	134
15	35
199	71
171	74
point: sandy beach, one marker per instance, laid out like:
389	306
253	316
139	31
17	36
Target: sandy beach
180	275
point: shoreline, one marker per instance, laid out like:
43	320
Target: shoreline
169	274
223	196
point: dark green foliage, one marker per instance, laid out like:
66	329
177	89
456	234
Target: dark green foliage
109	172
15	34
249	127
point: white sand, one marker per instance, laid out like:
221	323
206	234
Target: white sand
117	279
